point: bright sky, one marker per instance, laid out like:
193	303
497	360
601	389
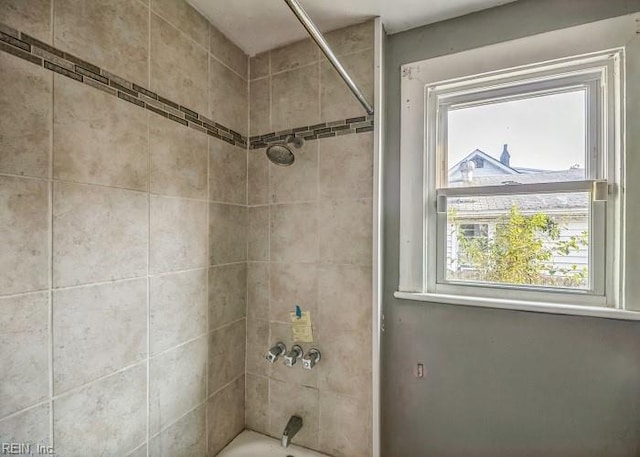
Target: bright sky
543	132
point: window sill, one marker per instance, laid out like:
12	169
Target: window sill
516	305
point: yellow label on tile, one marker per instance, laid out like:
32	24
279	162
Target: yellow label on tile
301	328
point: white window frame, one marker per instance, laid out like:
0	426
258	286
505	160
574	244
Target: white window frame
595	74
601	47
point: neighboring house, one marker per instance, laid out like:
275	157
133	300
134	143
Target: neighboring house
476	217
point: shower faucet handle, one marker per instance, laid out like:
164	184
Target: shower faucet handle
292	357
276	351
311	359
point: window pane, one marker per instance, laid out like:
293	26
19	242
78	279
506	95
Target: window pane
534	240
532	140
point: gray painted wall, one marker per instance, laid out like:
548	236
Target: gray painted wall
499	383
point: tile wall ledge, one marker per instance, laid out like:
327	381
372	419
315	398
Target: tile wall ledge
35	51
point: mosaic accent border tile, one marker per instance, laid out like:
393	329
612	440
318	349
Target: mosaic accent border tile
360	124
35	51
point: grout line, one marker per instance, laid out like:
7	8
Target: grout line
159	275
134	450
99	283
220	389
174	422
155	355
208	323
228	324
107	186
10	416
51	246
239	262
79	388
148	367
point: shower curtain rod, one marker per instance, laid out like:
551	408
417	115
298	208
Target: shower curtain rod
317	36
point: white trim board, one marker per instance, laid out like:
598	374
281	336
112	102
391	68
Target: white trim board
378	142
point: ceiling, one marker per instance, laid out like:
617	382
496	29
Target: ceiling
260	25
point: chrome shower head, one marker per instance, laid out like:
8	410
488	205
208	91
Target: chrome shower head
281	154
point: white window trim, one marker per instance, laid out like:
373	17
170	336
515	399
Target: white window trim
589	73
614	33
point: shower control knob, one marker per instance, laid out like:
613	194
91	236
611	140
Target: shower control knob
275	352
292	357
311	359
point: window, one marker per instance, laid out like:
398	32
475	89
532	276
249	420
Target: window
532	220
514	178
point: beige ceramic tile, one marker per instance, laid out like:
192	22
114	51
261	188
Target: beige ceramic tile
28	427
294	233
229	97
259	65
176	383
184	17
257	403
24	338
346	166
114	407
258	233
347	368
295	98
178	234
298	182
185	438
228	52
259	107
113	35
227	294
179	159
226	355
336	100
178	66
227	233
225	416
258	290
258	176
295	55
257	346
346	231
345	426
29	16
352	39
227	173
25	92
286	400
98	139
99	234
296	374
345	291
24	228
178	308
97	330
293	284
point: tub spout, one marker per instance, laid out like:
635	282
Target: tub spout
293	426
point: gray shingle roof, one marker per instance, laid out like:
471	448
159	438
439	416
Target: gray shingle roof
557	203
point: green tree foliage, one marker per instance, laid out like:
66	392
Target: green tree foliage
521	251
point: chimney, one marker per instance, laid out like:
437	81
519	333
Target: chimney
505	157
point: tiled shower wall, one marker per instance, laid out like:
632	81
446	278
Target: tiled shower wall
123	233
310	243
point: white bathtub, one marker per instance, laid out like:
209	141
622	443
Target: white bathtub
252	444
